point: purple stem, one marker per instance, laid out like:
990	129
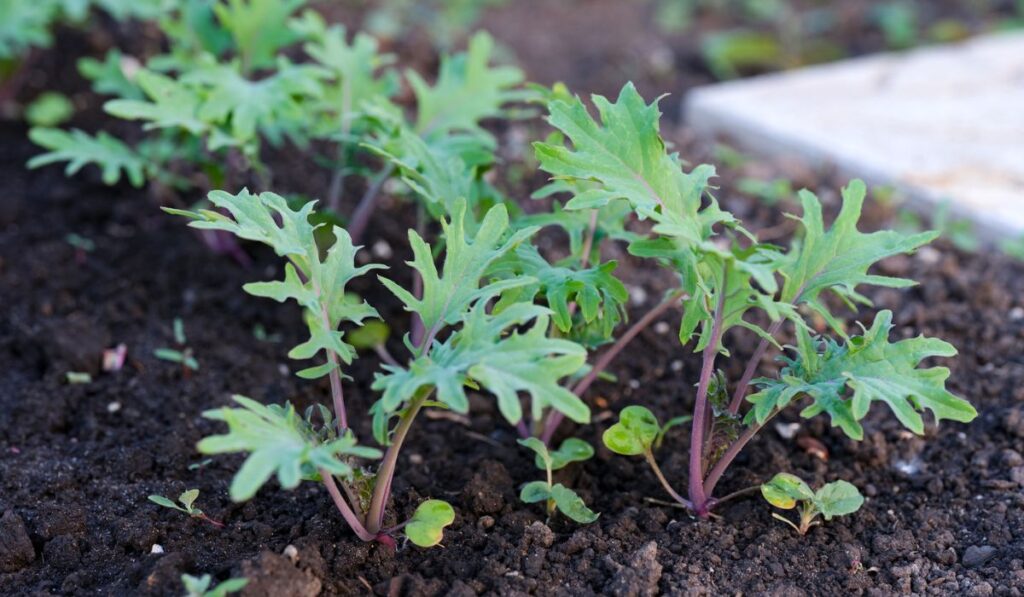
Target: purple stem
748	374
361	216
346	511
700	412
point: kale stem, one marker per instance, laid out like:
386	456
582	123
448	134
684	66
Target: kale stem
361	216
588	245
649	456
731	452
522	429
346	511
554	417
386	472
700	412
748	374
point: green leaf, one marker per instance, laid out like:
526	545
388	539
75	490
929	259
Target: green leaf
259	27
599	295
171	104
315	283
187	498
838	260
426	527
446	296
485	354
838	498
572	505
371	334
624	153
571	450
110	77
271	105
80	149
872	369
535	491
467	91
49	109
785	490
165	502
544	459
24	25
634	433
279	441
669	424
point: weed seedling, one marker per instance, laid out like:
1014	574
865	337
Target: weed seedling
785	491
200	586
555	495
187	500
181	355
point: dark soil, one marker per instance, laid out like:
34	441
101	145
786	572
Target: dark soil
943	515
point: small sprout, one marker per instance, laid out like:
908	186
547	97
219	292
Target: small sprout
200	586
785	491
78	377
635	433
260	333
183	354
80	242
187	499
49	109
426	527
558	496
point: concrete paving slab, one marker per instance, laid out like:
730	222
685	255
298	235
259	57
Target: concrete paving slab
943	123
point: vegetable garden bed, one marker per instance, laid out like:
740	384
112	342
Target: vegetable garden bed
943	512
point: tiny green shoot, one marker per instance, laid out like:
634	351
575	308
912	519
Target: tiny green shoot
200	586
187	500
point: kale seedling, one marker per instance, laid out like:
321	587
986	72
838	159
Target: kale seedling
181	355
785	491
186	499
200	586
726	275
556	495
465	341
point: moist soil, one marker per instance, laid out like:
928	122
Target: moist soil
943	513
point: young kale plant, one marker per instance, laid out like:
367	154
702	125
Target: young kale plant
725	274
466	342
785	491
202	586
556	495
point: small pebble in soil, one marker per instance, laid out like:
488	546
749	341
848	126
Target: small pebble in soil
113	407
787	430
975	555
292	553
485	522
676	366
157	548
661	328
382	250
637	295
1016	314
